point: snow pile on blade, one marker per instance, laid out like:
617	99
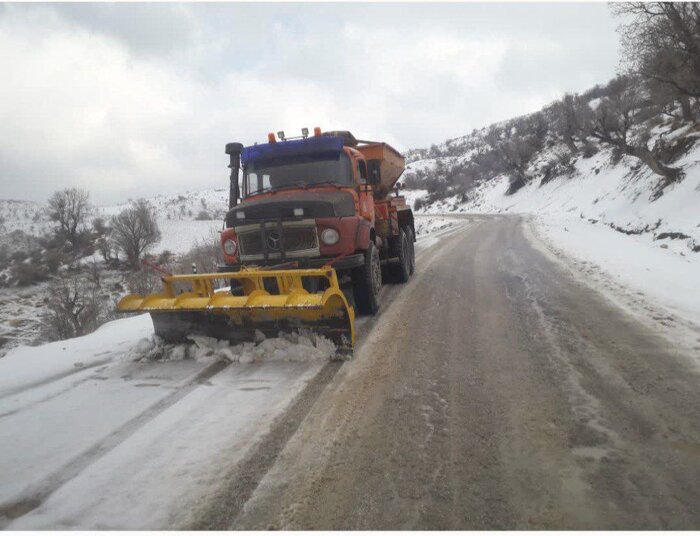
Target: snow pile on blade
267	301
291	347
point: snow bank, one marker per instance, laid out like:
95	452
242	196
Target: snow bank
429	225
25	366
132	339
604	256
291	347
412	195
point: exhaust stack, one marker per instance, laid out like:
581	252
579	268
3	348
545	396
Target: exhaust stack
234	151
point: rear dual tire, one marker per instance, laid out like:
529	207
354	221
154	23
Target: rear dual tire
405	254
367	279
411	244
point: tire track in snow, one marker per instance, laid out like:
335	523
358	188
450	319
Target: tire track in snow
224	507
45	381
34	496
242	481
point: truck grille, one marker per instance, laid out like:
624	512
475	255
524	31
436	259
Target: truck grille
296	240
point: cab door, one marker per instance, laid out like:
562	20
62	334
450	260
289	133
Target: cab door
366	195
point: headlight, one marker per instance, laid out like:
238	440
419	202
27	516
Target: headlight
230	247
330	236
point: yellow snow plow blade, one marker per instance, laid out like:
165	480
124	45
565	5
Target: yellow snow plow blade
268	301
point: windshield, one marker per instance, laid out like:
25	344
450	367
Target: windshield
259	177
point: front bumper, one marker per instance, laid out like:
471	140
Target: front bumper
344	263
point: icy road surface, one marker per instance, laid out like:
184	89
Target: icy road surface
496	392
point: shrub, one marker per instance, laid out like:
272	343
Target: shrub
75	308
166	258
53	260
24	274
94	272
206	254
143	281
516	182
589	149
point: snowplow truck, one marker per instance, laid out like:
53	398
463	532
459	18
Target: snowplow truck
314	227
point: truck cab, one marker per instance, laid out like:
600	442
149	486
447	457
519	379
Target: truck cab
319	201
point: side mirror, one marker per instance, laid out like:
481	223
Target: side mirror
374	174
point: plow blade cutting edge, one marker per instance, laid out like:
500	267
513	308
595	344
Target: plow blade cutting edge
269	301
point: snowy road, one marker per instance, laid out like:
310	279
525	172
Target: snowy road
134	445
92	439
496	392
493	391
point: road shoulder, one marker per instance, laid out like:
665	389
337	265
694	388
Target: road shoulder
660	290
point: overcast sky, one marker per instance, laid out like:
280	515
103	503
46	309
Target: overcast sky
129	100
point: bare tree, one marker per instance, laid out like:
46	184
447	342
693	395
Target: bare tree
94	272
565	121
135	231
612	123
75	308
516	154
143	281
102	233
69	209
661	42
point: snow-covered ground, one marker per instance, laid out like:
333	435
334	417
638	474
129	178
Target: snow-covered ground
412	195
657	286
95	432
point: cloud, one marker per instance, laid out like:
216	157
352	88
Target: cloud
130	100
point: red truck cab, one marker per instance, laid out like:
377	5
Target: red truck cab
315	201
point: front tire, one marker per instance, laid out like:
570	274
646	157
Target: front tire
367	282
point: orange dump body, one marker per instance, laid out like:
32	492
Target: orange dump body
392	162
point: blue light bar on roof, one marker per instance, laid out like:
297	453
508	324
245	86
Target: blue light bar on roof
321	146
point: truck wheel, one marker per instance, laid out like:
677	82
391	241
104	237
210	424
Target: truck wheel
367	282
412	247
402	270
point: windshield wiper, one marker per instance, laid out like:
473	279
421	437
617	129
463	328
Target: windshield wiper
281	187
324	183
297	184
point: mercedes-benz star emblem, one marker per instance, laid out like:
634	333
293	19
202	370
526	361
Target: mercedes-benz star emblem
273	241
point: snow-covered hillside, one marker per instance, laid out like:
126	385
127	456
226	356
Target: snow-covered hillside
603	220
183	217
616	196
26	216
610	178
